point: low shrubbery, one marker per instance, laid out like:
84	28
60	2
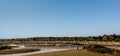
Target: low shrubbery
102	49
5	47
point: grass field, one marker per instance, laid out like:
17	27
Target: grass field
71	53
14	51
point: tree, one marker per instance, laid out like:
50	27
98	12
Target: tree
105	38
90	38
111	38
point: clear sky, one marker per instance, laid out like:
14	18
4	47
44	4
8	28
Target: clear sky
28	18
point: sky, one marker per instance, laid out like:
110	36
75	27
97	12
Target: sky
45	18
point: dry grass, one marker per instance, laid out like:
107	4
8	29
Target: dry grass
71	53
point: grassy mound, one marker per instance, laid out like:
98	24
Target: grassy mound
14	51
102	49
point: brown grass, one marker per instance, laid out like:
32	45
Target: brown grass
71	53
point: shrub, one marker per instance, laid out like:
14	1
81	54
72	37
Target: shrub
101	49
5	47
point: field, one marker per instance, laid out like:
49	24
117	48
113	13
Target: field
14	51
71	53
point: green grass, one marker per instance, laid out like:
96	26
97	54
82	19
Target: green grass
14	51
71	53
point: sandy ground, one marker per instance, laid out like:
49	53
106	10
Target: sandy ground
43	50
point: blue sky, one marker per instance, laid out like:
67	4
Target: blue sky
30	18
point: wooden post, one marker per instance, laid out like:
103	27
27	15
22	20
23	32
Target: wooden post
77	47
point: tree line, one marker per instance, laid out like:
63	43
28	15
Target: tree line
112	37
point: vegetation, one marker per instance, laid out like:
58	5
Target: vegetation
102	49
112	37
14	51
5	47
51	41
71	53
